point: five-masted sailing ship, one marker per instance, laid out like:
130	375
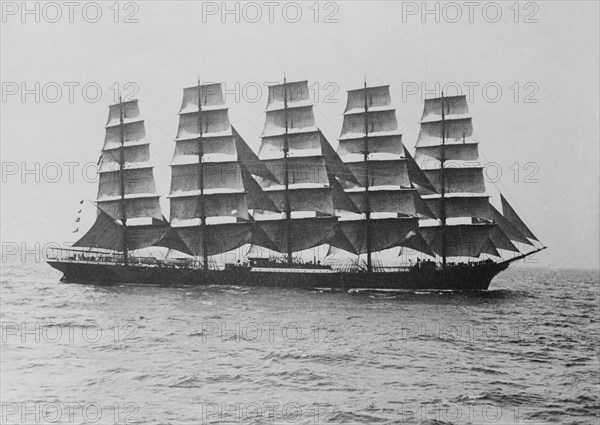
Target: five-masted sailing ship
298	194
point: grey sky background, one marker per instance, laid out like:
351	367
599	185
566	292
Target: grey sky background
554	61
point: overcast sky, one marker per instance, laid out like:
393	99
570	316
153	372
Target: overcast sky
541	131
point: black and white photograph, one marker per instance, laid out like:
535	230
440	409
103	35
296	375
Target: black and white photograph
300	212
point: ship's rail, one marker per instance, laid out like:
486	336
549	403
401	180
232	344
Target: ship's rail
356	266
98	256
278	263
106	257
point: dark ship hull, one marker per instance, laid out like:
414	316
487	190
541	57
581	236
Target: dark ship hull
462	277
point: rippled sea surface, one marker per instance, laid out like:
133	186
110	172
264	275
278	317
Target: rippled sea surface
527	351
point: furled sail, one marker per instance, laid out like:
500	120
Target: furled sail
447	152
371	146
129	214
212	189
304	172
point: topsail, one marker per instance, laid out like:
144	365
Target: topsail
388	202
129	214
212	189
141	199
447	152
304	168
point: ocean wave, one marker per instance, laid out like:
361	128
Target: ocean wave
370	372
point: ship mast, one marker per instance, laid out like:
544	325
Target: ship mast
443	187
366	184
122	184
288	209
201	181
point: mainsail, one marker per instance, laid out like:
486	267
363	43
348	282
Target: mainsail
388	202
304	168
212	189
129	215
447	152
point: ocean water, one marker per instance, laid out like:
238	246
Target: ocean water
525	352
